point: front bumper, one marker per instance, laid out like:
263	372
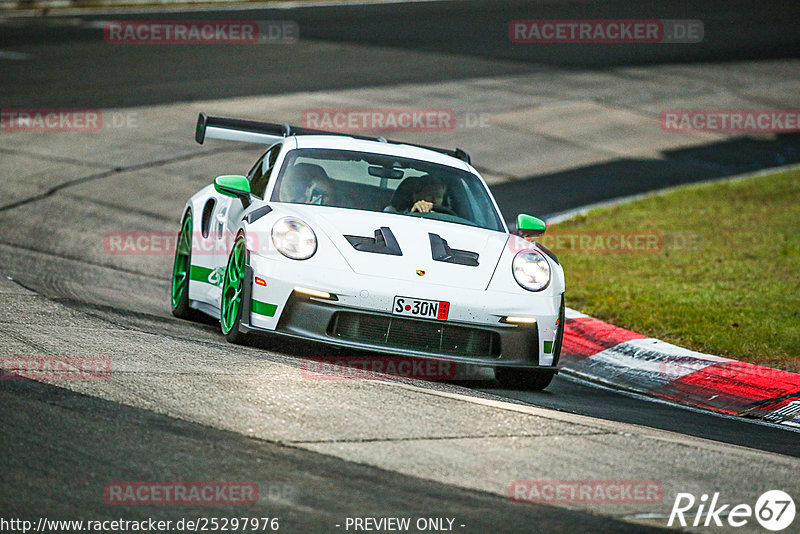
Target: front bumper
357	322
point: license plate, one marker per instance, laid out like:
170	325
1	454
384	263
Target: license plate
430	309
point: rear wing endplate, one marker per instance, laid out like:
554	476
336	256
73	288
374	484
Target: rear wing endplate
238	130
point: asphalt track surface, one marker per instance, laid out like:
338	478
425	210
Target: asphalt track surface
441	41
76	69
310	492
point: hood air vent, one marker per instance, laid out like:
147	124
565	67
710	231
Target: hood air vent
441	252
384	242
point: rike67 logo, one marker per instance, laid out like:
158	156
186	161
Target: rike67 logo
774	510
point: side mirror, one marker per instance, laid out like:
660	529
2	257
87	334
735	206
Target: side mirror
529	226
233	185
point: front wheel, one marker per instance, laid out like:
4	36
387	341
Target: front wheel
232	292
528	379
181	271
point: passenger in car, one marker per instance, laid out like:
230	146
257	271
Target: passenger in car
307	183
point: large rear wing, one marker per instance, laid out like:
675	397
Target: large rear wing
268	133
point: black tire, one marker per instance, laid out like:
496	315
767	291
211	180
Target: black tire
235	336
528	379
535	380
559	332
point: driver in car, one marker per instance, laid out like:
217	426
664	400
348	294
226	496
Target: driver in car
429	193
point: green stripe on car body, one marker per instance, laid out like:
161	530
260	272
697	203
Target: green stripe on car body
206	275
548	347
200	274
263	308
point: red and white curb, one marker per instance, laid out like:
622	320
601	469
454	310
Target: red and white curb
604	353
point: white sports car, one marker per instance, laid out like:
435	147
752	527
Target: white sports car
369	244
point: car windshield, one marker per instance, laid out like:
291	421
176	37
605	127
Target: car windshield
379	182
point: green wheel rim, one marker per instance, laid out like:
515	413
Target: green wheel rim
232	286
180	269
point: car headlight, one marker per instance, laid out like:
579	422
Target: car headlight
531	270
294	239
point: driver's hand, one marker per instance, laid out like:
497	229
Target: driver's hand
422	206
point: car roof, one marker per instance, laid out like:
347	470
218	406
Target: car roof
342	142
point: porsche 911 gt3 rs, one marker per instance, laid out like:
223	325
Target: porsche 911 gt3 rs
369	244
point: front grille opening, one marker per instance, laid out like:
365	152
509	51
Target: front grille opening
415	334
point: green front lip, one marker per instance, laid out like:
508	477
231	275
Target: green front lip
263	308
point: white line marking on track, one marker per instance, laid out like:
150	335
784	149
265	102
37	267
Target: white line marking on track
575	378
14	56
569	313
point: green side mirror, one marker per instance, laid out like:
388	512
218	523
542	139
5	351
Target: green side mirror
530	226
233	185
